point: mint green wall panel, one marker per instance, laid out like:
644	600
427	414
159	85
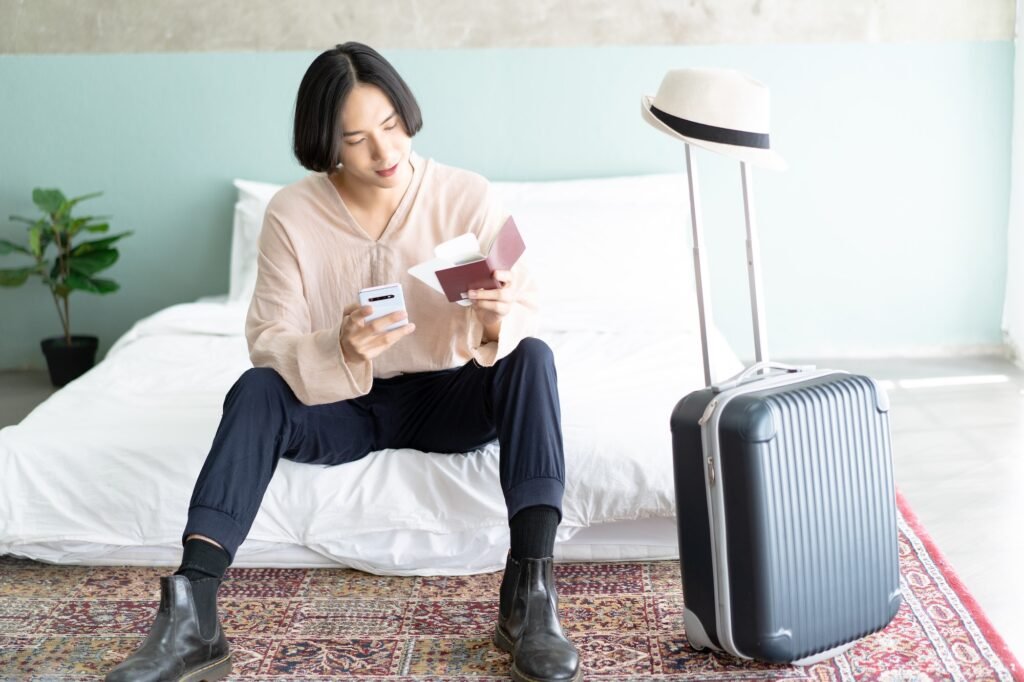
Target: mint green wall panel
887	234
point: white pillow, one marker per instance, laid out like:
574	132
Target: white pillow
253	198
609	254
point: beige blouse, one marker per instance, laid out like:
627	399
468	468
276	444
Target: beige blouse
314	258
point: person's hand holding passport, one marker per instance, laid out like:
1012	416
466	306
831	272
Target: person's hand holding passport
459	265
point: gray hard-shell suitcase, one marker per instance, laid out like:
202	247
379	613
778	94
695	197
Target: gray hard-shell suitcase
785	499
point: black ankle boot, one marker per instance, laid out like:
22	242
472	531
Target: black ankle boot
531	631
175	649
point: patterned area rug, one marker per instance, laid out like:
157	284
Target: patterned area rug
74	623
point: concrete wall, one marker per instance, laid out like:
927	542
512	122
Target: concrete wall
63	26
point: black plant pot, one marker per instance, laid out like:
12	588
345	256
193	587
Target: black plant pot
65	362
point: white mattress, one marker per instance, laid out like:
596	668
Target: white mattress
102	471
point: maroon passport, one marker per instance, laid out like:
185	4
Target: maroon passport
507	248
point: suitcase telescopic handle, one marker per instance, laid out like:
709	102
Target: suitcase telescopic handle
700	268
767	366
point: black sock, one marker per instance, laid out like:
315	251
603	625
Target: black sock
204	564
532	532
203	559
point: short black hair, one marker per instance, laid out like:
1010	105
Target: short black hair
323	91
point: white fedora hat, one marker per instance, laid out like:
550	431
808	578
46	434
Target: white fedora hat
722	110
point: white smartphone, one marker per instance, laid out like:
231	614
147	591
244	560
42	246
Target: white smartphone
385	299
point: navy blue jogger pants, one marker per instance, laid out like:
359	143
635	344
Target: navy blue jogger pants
450	411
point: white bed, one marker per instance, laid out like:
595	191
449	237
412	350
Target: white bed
102	471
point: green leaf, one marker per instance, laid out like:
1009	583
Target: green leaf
106	286
10	247
81	282
101	227
77	224
64	212
14	277
93	261
35	234
97	244
45	238
22	219
48	200
94	285
72	202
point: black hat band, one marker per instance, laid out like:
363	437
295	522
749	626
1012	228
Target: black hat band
702	131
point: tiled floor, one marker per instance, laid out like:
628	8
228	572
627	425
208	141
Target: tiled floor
20	391
959	452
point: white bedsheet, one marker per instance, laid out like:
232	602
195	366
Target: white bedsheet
102	471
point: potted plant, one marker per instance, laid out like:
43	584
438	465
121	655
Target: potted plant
74	268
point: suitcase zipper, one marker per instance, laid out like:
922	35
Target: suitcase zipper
708	411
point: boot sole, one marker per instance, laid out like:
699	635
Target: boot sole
504	642
210	672
520	677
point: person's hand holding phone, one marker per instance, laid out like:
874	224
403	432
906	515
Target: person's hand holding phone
365	335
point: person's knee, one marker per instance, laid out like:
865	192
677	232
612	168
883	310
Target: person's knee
534	352
259	382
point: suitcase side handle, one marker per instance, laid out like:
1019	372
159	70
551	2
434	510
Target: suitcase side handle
757	367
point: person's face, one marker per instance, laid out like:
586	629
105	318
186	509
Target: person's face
373	138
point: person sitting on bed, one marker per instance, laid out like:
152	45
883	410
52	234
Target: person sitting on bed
329	387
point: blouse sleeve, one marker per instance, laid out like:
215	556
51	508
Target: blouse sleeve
277	328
